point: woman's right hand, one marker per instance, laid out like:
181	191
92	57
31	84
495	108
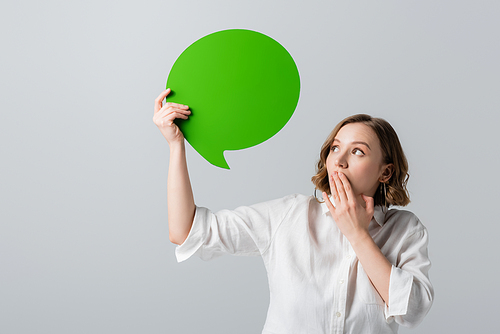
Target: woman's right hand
164	116
180	199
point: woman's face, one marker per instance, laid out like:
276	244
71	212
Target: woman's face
356	152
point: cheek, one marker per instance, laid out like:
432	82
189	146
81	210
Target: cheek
366	174
371	176
366	169
328	164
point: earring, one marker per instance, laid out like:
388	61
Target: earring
316	197
385	198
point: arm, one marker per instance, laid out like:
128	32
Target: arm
405	286
244	231
411	292
353	215
180	201
374	263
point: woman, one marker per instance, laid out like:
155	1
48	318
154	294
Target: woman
348	265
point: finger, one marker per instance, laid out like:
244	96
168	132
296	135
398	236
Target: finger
333	190
172	105
166	111
340	187
346	185
173	115
176	105
180	115
328	203
169	119
159	99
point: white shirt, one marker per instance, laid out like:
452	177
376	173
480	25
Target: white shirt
316	282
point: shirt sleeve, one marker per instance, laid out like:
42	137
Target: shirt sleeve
247	230
410	290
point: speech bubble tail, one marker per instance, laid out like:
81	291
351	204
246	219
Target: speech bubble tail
216	158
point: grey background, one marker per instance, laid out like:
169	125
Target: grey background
83	237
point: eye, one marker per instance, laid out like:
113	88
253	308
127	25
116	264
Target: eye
334	148
357	151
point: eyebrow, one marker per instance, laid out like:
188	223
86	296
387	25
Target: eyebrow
356	142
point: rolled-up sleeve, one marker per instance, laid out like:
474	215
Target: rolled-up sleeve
247	230
410	290
196	235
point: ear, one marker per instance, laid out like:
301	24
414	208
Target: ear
387	172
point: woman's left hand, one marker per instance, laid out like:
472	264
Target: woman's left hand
351	213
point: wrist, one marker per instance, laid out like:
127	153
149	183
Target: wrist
176	144
177	150
361	237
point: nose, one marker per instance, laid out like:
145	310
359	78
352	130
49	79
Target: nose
341	161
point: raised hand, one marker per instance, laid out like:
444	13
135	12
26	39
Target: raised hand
164	116
351	213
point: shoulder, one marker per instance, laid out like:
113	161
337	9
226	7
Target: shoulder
404	221
289	201
301	202
299	198
276	208
291	204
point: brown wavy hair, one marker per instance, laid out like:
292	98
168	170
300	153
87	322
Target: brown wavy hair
392	152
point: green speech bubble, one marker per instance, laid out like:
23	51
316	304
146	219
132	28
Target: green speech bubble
241	86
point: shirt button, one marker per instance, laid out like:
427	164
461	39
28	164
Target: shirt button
338	314
348	257
341	281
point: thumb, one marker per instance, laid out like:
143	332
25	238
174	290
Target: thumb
369	203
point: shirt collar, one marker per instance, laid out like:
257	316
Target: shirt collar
378	213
